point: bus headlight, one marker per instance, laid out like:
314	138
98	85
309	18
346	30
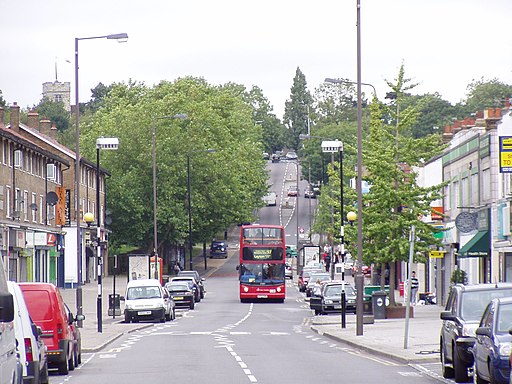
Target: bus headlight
246	289
278	289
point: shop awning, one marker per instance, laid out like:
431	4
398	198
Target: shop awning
478	246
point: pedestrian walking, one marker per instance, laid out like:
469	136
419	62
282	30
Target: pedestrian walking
327	262
414	288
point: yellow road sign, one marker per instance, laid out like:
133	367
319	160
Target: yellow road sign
436	254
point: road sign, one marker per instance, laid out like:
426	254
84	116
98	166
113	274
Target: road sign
436	254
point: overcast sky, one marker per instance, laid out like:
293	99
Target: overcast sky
444	44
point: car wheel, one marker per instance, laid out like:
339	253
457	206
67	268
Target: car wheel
75	358
492	378
63	365
459	369
71	361
192	304
43	377
317	312
447	371
168	316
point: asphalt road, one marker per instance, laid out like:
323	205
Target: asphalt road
225	341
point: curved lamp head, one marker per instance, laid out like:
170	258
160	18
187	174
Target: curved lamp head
351	216
88	218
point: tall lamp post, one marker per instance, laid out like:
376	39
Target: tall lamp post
120	37
153	151
332	147
111	143
343	81
359	275
191	263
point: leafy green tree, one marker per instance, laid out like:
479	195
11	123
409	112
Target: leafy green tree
226	185
54	111
3	102
483	94
395	201
98	95
433	113
298	108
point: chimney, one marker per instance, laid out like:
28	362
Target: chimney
53	131
15	117
456	126
2	115
45	127
33	119
447	134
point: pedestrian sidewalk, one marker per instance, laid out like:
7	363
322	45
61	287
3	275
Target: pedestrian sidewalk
387	337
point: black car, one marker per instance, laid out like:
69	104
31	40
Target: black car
192	281
329	299
218	249
461	317
198	279
182	294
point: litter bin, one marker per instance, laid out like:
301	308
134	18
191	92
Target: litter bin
114	305
379	304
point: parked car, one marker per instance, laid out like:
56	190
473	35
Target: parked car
304	276
329	299
270	199
48	311
309	193
146	299
182	294
461	317
275	158
198	279
266	156
218	248
31	348
366	270
77	337
293	191
9	363
322	276
196	288
491	351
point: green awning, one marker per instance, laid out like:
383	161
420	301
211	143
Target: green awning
478	246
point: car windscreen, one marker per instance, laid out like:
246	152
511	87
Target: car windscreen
177	287
135	293
474	302
262	274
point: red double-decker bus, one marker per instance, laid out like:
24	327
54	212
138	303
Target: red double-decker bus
262	262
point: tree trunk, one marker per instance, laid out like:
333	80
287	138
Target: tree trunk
392	278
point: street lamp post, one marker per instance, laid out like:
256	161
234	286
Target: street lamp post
153	151
359	275
120	37
332	147
111	143
191	263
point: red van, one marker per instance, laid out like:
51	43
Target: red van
48	311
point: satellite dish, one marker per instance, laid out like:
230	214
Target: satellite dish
52	198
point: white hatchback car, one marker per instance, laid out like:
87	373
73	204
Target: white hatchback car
146	299
31	348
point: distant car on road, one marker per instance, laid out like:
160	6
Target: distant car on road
266	156
322	276
270	199
288	272
198	279
304	278
309	193
182	294
218	248
293	191
275	158
329	299
291	155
